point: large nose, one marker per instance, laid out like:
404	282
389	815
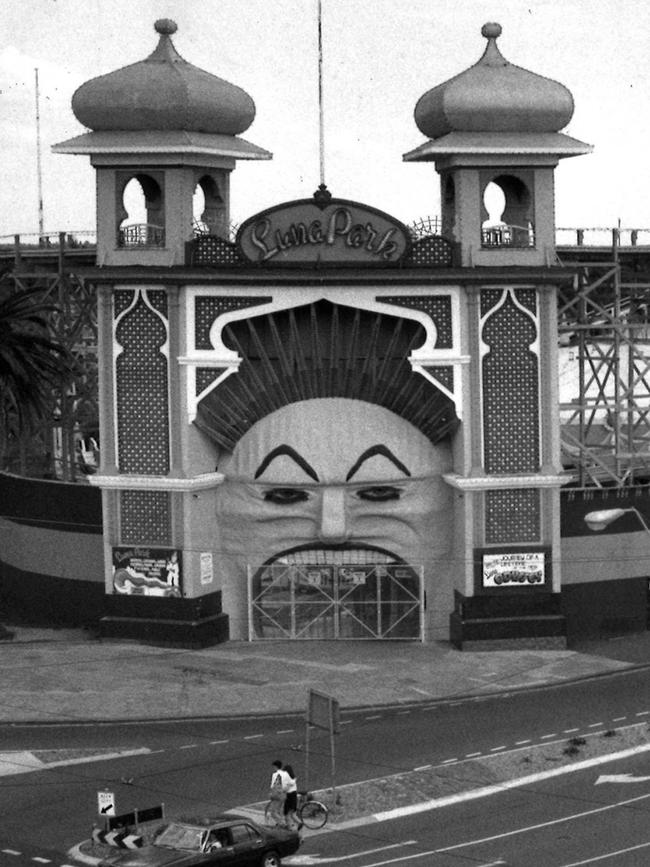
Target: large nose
332	526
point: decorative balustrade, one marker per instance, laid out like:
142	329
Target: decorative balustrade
141	235
148	235
504	235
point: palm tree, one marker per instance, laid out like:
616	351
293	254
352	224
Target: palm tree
33	363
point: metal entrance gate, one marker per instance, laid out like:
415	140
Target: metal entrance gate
335	601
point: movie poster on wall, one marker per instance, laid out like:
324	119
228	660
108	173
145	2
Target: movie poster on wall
139	571
513	569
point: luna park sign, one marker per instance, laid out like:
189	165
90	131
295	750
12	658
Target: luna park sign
323	230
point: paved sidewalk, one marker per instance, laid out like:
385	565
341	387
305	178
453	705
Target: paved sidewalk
68	675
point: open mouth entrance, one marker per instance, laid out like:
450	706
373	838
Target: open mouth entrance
330	594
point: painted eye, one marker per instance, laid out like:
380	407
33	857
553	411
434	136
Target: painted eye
285	496
379	493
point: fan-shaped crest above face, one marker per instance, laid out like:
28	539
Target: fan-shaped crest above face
323	350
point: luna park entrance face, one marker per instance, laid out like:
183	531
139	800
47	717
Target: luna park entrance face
343	600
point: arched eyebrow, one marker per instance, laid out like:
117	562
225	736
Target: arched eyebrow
290	453
377	450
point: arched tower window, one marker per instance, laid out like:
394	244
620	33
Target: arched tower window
210	209
141	212
507	213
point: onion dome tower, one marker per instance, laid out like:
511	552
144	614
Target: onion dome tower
172	128
494	136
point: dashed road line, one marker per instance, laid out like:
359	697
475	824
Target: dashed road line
523	743
569	731
496	749
10	852
594	725
188	747
472	755
285	732
423	768
548	737
619	718
643	713
227	741
252	737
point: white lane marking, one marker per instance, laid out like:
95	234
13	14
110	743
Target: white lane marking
521	743
10	852
496	749
285	731
643	713
377	716
497	788
472	755
515	832
308	860
570	731
448	761
422	768
188	746
346	722
546	737
221	742
608	855
594	725
252	737
619	718
41	860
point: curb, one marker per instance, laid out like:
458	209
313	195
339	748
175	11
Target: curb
629	668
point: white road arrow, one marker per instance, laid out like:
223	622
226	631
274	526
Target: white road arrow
620	778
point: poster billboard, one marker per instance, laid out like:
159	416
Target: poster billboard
513	569
144	571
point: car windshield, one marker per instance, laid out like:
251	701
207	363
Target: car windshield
181	837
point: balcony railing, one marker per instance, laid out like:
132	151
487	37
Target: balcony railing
504	235
141	235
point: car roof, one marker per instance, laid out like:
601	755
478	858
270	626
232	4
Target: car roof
213	822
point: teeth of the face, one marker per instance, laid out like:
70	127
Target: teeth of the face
333	557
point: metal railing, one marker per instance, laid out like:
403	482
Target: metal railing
144	234
141	235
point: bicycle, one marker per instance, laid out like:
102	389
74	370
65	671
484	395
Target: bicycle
310	812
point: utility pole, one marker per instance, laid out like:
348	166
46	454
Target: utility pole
39	171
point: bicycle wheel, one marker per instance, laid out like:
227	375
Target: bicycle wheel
313	814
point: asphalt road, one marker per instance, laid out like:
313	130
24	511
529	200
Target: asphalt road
199	767
563	822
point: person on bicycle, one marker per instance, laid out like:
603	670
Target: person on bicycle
291	799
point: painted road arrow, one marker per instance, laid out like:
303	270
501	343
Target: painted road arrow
620	778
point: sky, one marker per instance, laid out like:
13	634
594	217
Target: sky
379	57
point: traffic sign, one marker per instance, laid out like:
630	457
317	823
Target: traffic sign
106	803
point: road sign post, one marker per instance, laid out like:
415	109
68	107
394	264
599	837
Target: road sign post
322	713
105	805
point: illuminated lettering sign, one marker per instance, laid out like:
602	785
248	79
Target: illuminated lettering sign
309	231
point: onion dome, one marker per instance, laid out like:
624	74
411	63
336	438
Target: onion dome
163	92
494	96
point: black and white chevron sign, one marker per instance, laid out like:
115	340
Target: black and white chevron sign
120	839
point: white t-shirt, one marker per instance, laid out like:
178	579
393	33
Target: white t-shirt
281	777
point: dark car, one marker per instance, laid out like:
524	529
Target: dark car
224	841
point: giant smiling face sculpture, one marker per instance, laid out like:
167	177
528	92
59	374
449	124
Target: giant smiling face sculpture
325	476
